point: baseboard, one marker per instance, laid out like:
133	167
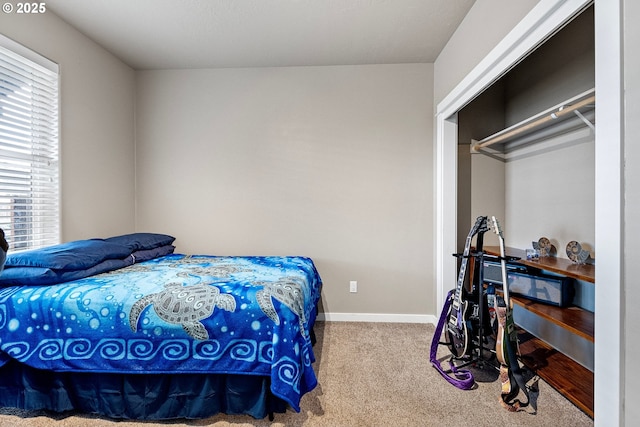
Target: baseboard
377	317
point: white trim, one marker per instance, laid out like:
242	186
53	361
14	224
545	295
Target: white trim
31	55
609	322
446	207
377	317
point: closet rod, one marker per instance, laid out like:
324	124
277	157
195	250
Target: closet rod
521	129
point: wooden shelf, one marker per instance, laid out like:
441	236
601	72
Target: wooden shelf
574	319
565	267
571	379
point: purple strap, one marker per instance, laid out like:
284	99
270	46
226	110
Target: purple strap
463	377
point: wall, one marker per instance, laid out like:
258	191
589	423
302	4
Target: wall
96	128
334	163
488	22
551	194
631	293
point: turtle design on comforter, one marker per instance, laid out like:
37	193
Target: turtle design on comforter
185	306
289	292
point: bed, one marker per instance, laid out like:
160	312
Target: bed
126	328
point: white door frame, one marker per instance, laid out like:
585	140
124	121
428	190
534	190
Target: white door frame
544	20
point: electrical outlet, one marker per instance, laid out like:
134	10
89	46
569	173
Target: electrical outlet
353	286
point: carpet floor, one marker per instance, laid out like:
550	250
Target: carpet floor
370	374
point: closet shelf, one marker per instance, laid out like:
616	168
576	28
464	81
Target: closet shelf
562	266
574	113
570	378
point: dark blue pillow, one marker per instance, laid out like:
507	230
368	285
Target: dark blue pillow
142	241
40	276
76	255
147	254
28	276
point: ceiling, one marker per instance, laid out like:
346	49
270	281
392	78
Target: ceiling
166	34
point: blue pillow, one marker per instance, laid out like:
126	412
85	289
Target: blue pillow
28	276
40	276
76	255
142	241
147	254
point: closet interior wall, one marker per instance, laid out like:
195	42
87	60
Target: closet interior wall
547	192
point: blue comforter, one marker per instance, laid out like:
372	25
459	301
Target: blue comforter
177	314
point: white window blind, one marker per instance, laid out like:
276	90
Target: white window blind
29	176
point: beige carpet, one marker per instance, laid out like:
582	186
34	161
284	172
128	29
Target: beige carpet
370	374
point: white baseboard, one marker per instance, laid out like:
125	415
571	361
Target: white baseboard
377	317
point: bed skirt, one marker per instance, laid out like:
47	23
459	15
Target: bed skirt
137	396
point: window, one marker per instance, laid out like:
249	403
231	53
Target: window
29	183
